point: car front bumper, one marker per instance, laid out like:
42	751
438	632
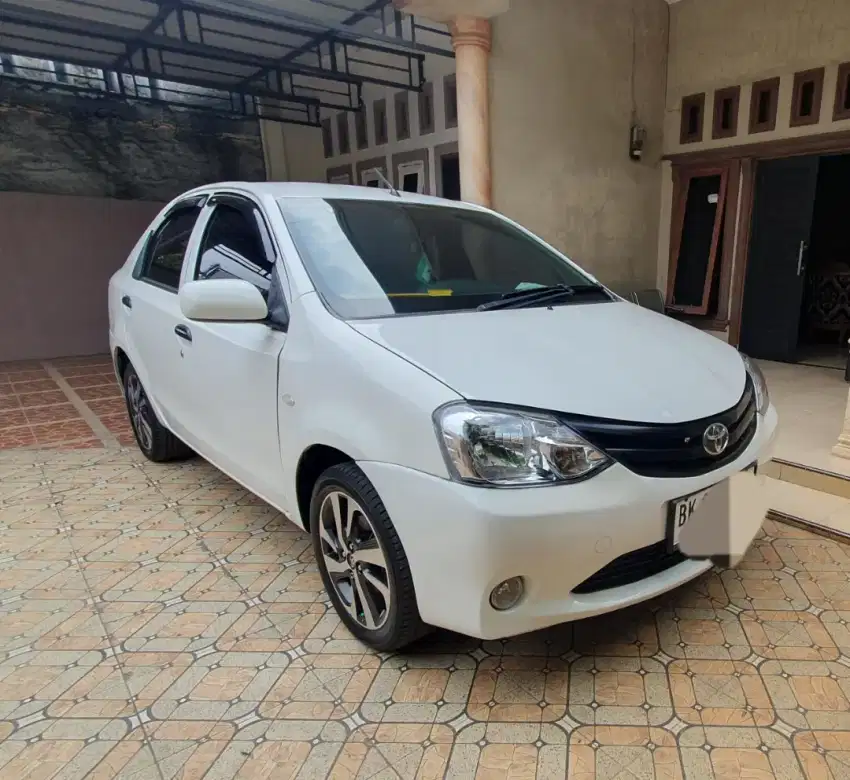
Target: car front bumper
461	541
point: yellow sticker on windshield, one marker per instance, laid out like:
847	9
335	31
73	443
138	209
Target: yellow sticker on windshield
429	294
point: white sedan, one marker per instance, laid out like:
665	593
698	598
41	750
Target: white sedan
476	433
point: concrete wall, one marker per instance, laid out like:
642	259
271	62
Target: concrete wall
561	107
722	43
58	143
80	179
56	256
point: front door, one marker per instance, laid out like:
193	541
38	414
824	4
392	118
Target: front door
231	368
781	228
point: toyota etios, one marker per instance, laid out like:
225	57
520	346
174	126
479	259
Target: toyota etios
475	432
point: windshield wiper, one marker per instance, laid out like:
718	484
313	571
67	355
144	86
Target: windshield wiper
520	298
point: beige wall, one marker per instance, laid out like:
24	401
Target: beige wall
293	152
722	43
57	253
561	110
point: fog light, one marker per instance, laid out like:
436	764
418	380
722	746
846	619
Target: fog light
507	594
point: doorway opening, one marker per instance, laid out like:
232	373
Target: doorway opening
411	176
796	306
450	170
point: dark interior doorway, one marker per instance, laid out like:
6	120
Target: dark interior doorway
450	171
797	292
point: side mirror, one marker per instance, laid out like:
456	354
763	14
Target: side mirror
222	300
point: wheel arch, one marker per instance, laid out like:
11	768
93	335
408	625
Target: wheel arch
312	463
121	360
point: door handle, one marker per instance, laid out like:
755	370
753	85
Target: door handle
183	332
800	255
127	302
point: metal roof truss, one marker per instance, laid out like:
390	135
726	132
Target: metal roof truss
250	58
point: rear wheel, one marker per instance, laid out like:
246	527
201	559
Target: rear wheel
155	441
361	560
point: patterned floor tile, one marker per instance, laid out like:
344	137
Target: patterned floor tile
157	621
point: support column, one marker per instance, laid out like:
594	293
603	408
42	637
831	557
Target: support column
274	150
471	38
842	446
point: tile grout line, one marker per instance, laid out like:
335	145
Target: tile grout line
103	433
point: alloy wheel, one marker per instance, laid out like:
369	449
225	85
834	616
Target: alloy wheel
354	560
139	411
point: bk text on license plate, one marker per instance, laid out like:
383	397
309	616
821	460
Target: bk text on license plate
679	512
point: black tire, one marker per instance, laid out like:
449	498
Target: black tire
160	445
402	624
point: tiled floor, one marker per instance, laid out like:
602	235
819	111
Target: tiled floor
159	622
67	402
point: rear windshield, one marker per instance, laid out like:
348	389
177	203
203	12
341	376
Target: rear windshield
370	258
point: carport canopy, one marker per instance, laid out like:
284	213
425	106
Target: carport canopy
281	60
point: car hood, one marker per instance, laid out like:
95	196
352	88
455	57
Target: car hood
611	360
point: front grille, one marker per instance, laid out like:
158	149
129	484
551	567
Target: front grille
671	450
632	567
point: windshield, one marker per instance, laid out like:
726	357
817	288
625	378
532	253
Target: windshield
371	258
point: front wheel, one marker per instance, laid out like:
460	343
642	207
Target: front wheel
155	441
361	560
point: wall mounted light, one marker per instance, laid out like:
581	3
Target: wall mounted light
637	139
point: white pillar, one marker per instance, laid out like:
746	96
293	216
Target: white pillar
471	38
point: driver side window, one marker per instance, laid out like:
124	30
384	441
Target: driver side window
233	247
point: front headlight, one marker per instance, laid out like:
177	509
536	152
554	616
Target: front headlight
759	384
500	447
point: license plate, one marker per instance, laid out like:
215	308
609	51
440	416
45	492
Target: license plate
679	512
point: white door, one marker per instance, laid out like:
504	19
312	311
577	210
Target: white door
231	368
153	314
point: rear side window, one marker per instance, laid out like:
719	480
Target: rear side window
165	253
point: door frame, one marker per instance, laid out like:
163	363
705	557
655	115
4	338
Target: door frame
748	156
727	210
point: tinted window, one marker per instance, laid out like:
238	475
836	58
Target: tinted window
233	248
168	248
371	258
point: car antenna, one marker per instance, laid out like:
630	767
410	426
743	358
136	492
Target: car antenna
386	182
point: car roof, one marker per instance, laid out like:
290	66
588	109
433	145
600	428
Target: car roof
292	189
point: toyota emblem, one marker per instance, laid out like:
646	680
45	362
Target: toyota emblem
715	439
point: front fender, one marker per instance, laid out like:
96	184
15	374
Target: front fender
340	389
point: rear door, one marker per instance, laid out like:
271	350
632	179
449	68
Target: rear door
152	312
232	367
782	224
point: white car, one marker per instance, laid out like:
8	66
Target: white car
477	435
